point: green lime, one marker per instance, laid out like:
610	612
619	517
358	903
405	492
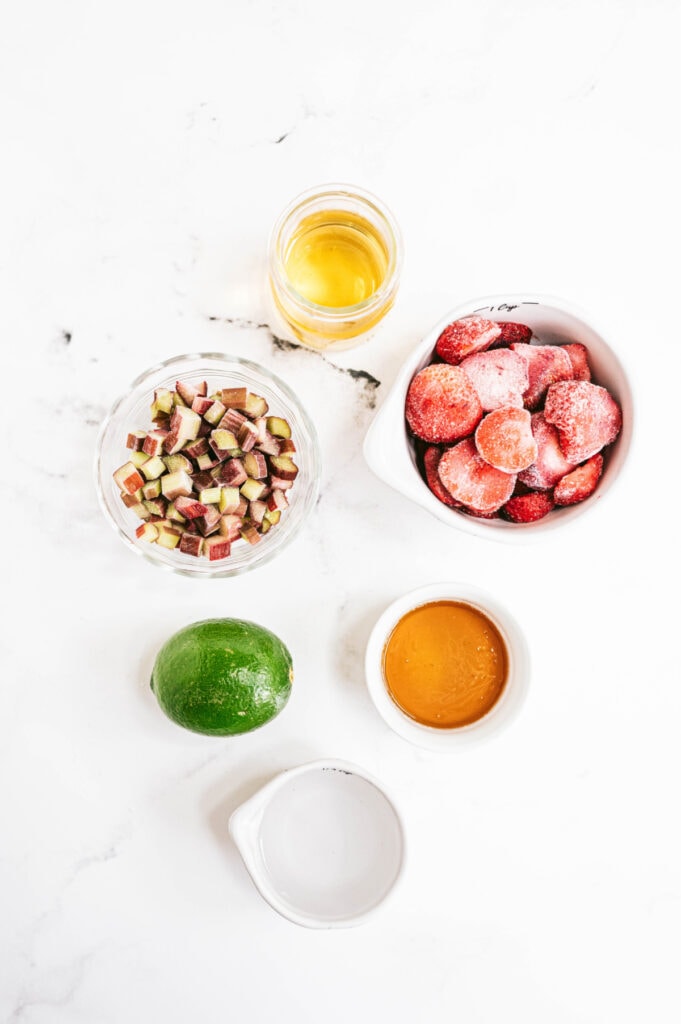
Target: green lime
222	676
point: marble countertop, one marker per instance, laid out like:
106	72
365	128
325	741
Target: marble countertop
147	149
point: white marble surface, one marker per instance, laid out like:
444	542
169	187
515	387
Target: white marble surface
147	148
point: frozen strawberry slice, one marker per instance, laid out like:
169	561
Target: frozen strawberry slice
580	483
546	364
528	508
471	480
465	336
431	459
499	377
441	404
579	357
504	439
586	415
512	333
550	464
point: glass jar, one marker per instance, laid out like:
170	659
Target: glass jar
335	256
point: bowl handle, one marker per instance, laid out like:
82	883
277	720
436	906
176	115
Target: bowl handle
386	452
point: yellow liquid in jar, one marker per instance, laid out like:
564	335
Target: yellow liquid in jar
336	259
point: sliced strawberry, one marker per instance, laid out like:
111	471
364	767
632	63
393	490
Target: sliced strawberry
441	404
513	334
504	439
472	481
586	415
431	460
550	464
580	483
528	508
579	357
499	377
546	364
466	336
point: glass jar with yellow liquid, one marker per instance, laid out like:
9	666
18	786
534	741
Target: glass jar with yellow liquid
335	257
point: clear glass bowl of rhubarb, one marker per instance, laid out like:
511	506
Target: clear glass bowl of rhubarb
208	466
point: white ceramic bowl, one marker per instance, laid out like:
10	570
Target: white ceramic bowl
323	843
498	717
390	452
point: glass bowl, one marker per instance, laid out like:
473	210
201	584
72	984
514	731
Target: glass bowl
132	412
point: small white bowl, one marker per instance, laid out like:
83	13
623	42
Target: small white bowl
389	449
323	843
500	715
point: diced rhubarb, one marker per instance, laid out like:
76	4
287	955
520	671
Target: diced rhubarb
191	544
190	508
130	500
147	531
230	526
465	336
209	460
209	522
163	401
272	516
128	479
283	467
229	499
233	473
234	398
188	392
216	548
255	465
278	483
442	405
168	538
232	420
277	500
256	511
156	506
173	463
173	442
287	446
250	533
175	485
174	514
153	467
151	489
256	405
196	448
210	495
278	427
253	489
247	436
214	412
185	423
139	458
135	440
270	445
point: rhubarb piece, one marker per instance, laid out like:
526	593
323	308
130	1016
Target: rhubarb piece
201	405
189	507
287	446
269	445
191	544
209	460
550	464
163	402
216	548
147	531
579	357
138	458
472	481
280	484
277	500
256	511
173	442
278	427
504	439
499	377
528	508
196	448
230	526
136	440
174	514
587	417
442	405
255	465
233	473
232	420
167	537
151	489
185	423
513	333
128	479
255	405
284	467
247	436
156	506
272	516
214	413
188	392
431	460
466	336
222	440
253	489
546	364
209	522
175	485
229	499
153	467
210	495
130	500
234	398
580	483
174	463
250	533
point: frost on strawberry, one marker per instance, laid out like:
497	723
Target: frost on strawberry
546	364
586	416
472	481
499	377
431	460
442	405
504	439
465	336
528	508
550	464
580	483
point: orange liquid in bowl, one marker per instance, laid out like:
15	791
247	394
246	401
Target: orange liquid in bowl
445	664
